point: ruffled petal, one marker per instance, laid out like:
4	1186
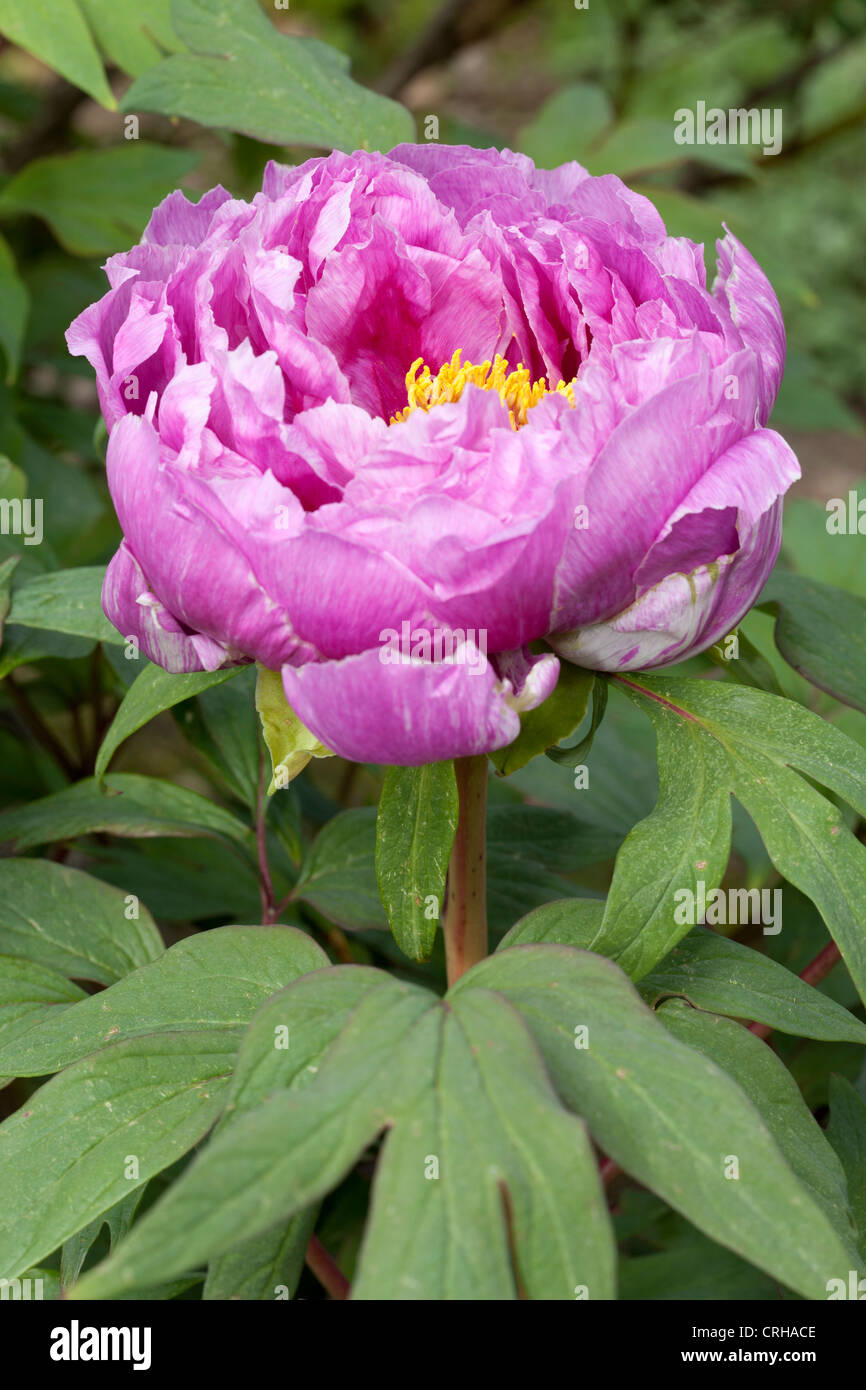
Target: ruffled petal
742	285
407	712
683	607
196	546
130	604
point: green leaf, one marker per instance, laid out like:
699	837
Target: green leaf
46	1280
133	37
664	1113
572	757
392	1055
64	920
13	481
223	724
243	75
567	125
624	780
337	877
846	1131
554	719
74	498
97	201
725	977
415	828
776	1096
514	1169
152	692
67	601
529	850
812	550
279	1154
30	994
14	303
263	1267
24	645
184	880
821	632
696	1271
54	31
748	666
118	1219
292	1032
717	738
290	743
684	841
7	570
215	980
572	922
65	1157
123	803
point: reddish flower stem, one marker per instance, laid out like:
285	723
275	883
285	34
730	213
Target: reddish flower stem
464	919
815	972
326	1270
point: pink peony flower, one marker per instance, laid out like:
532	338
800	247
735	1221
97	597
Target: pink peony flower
401	416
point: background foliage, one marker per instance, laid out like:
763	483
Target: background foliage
161	803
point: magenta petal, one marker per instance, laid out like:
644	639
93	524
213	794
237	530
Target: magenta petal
136	612
683	608
372	708
754	308
532	678
646	464
404	715
198	547
177	221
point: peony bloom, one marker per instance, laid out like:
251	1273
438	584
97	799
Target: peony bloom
401	416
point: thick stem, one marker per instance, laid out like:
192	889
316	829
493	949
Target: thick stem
464	920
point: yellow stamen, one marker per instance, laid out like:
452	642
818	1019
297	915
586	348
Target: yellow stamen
516	389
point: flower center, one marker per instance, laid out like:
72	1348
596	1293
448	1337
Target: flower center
515	389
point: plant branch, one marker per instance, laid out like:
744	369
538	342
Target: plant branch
326	1270
39	730
456	24
464	919
281	906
